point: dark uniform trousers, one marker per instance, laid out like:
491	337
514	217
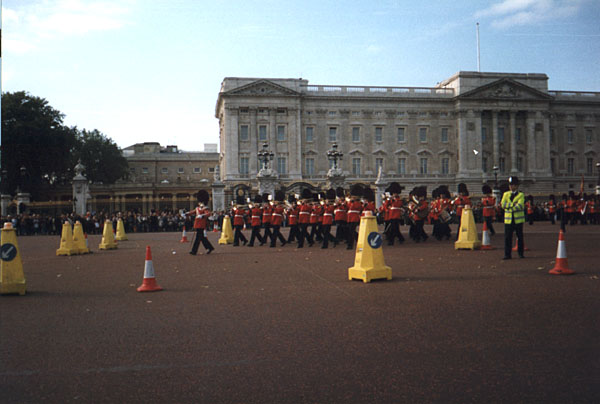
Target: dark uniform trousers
238	235
200	237
508	233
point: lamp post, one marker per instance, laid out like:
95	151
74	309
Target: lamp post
496	191
334	155
264	156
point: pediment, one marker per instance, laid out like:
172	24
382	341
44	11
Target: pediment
262	88
505	90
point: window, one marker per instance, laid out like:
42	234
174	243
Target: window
484	164
590	166
589	136
483	135
180	170
310	133
282	165
445	165
243	110
280	133
402	165
356	134
356	166
244	165
502	163
281	111
444	135
244	133
378	165
571	166
570	136
552	166
310	166
355	113
144	170
332	113
518	135
422	135
401	137
423	166
211	169
552	135
262	132
197	170
332	134
501	135
379	134
164	170
520	164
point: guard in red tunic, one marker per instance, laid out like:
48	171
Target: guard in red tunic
489	207
369	202
340	216
551	207
316	218
529	209
396	208
328	212
266	218
293	212
238	222
304	219
354	209
572	208
420	212
201	214
256	221
277	219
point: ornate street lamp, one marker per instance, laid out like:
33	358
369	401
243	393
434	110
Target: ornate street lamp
496	168
264	156
334	155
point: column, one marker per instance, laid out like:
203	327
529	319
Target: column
272	136
531	143
232	153
546	141
513	142
462	144
174	202
495	139
255	145
478	142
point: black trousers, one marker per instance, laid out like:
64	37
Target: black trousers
268	234
327	235
395	232
255	235
303	234
340	230
489	221
293	233
352	234
508	237
200	237
277	235
238	235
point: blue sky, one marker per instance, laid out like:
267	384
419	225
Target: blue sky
150	70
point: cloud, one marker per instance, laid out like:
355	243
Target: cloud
510	13
27	26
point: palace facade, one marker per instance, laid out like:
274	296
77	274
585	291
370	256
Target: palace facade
457	131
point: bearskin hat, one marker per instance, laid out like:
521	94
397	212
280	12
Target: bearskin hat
368	194
291	198
486	189
530	197
421	192
435	193
551	197
462	189
356	190
444	191
564	196
239	200
306	194
571	194
203	196
315	197
395	188
257	198
265	197
279	196
339	192
330	194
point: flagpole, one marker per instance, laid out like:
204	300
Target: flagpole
478	52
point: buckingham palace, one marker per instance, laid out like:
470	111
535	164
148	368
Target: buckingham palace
473	127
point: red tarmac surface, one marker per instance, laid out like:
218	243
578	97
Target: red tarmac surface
285	325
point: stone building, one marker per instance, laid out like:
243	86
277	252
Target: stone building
457	131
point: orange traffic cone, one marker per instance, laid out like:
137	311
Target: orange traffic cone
485	239
149	283
562	265
516	247
184	238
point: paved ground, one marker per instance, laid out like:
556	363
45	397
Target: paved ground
264	325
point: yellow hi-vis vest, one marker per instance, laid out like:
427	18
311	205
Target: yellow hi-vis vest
513	209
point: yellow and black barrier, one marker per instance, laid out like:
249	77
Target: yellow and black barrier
108	237
467	235
226	231
368	262
12	278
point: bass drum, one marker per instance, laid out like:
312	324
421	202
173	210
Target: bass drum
445	216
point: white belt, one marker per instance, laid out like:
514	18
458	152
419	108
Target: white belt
304	213
394	207
354	211
255	217
327	214
239	215
293	216
277	214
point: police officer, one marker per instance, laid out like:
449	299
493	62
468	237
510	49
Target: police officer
513	203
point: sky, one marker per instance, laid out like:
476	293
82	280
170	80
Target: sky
151	70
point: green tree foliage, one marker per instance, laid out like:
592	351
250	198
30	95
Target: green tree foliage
34	137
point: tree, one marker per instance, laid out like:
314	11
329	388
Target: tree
101	157
34	137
